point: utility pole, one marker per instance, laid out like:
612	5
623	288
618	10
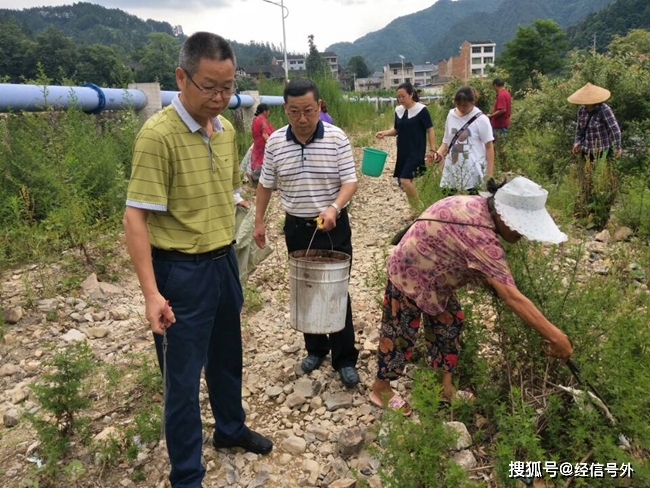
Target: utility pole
285	14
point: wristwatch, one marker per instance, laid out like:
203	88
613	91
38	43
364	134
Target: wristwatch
336	207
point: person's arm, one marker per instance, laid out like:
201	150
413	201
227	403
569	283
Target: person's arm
560	346
496	113
330	214
489	158
262	199
577	140
440	154
431	136
386	133
613	128
157	313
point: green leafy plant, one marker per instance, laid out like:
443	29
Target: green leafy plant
416	454
60	393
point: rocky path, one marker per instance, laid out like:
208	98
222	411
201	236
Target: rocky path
321	430
319	427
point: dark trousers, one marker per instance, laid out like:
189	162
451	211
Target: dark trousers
206	298
298	232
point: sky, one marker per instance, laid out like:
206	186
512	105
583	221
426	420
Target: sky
329	21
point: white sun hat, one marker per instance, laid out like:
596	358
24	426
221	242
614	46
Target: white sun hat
521	204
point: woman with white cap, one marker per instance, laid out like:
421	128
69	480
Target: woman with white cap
453	243
597	131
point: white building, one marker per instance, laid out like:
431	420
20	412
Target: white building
482	56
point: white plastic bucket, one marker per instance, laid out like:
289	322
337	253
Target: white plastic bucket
318	284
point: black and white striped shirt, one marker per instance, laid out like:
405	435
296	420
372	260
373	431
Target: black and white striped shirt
310	175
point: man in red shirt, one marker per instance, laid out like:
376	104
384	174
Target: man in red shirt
500	118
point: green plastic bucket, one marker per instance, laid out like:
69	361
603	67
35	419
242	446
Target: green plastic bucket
373	161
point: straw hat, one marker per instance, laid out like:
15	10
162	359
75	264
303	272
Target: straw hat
589	95
521	205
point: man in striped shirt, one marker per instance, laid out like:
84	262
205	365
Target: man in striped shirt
317	178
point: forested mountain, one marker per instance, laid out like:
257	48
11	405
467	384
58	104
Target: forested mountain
87	23
412	35
89	43
616	19
438	31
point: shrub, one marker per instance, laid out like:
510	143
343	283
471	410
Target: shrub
61	395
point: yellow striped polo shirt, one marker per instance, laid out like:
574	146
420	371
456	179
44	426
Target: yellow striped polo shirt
186	181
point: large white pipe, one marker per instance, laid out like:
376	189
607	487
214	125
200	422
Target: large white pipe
93	99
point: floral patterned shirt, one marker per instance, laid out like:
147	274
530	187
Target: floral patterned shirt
435	258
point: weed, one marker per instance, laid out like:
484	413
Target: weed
60	393
109	452
149	377
376	278
252	298
417	453
113	377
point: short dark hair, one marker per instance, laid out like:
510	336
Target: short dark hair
262	107
498	82
408	87
493	187
300	87
204	45
465	94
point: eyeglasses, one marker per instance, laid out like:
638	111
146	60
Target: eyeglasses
226	92
296	114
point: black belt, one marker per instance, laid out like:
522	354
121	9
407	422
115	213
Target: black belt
163	255
309	221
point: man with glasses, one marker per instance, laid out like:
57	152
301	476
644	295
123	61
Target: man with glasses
316	177
179	224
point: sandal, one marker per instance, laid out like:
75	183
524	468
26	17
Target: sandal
396	402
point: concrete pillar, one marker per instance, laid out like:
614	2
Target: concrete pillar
249	113
152	92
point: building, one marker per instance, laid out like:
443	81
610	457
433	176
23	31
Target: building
332	61
368	84
397	73
269	71
473	61
423	74
298	62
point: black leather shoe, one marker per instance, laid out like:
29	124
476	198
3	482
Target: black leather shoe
349	375
311	362
251	441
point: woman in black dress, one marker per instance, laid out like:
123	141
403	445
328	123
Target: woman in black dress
413	126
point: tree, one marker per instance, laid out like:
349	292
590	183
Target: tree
158	60
16	52
357	65
316	64
102	66
57	54
539	48
636	42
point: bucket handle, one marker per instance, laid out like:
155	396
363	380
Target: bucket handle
312	240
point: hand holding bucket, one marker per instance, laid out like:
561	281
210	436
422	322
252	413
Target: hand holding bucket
373	161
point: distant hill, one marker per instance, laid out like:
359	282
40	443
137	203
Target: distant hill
412	35
438	31
87	23
616	19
